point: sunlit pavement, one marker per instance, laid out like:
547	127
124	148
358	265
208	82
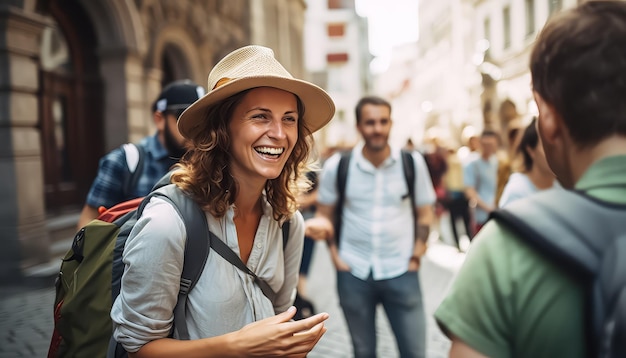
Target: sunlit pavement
26	309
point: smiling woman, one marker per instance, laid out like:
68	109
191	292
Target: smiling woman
249	141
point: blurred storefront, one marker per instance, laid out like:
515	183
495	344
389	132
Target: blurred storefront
78	78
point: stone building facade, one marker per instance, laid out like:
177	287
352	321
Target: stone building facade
77	79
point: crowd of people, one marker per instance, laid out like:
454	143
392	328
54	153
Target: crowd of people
242	152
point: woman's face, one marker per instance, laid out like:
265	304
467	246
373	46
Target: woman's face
263	132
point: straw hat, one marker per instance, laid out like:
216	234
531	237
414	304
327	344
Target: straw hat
250	67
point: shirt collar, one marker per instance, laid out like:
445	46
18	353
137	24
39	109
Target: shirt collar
609	171
357	154
154	147
265	206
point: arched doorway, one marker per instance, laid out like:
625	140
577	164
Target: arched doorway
70	117
174	65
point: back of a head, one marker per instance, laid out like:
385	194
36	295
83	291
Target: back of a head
578	65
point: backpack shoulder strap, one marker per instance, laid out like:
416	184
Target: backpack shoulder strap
196	248
579	234
587	238
342	178
408	167
135	158
285	229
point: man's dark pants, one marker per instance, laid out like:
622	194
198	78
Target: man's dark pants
401	298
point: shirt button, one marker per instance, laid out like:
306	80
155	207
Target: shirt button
259	245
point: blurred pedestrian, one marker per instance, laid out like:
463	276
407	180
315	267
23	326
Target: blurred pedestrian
536	174
437	164
249	137
511	299
456	202
116	180
480	179
378	249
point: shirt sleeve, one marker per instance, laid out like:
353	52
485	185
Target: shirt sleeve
153	259
424	191
107	188
478	309
469	175
327	193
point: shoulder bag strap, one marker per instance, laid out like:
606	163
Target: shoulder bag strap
408	166
342	178
135	158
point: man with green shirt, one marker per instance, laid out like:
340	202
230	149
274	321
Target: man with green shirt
509	300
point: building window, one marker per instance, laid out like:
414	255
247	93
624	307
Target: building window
554	6
530	17
506	22
336	58
336	30
341	4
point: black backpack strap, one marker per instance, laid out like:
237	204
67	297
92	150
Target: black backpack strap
587	239
132	178
285	228
408	167
342	178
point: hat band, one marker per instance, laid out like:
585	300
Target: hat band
221	82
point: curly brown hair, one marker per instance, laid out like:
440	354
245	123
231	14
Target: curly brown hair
204	171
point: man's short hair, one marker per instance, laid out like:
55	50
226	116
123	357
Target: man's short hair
374	100
578	66
490	133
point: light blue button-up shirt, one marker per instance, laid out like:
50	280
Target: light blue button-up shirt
482	175
377	229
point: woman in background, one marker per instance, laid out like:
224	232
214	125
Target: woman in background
536	175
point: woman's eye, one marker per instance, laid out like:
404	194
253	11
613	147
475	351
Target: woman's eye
290	119
259	116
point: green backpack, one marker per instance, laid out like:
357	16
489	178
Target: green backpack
90	276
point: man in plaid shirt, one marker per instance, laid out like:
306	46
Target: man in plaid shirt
158	152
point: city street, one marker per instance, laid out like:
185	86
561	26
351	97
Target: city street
26	309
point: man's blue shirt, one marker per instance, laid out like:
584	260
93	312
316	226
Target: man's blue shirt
108	186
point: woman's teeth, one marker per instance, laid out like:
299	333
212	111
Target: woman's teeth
269	150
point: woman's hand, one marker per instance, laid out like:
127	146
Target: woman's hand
278	336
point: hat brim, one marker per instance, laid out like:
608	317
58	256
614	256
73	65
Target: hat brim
319	107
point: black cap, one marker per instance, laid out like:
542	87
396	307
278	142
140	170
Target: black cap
178	95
